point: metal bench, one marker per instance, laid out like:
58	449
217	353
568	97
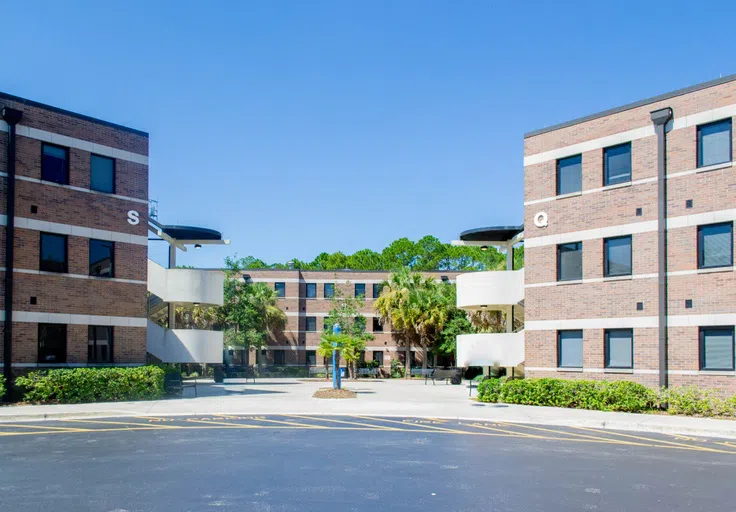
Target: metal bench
174	384
427	373
368	372
239	372
448	375
315	371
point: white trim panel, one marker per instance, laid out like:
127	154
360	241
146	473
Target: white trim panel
635	371
630	322
75	276
69	229
78	189
75	365
71	142
37	317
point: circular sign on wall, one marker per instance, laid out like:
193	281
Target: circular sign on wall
540	219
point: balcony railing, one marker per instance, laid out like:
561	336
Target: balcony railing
183	285
490	349
490	290
184	345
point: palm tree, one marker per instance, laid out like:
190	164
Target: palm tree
325	350
417	307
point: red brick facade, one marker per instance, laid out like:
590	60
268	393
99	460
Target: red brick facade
75	298
595	302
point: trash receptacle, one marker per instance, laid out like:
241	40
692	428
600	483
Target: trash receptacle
342	373
218	374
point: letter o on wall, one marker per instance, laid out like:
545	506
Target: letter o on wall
133	217
540	219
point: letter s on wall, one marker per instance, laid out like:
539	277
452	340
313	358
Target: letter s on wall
133	217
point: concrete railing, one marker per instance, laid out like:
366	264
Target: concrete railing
184	345
490	290
490	349
184	285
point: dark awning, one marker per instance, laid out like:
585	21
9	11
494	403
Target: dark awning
191	233
491	234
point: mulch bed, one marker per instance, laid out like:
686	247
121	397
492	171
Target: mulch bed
334	393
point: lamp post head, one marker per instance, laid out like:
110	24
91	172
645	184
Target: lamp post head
336	329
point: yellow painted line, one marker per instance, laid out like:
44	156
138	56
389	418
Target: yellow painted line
289	423
651	440
221	423
516	434
372	426
584	436
44	427
441	429
129	423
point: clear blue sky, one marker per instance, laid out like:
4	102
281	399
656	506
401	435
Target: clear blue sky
308	126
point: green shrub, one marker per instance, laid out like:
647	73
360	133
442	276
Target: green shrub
695	401
397	369
489	390
2	386
93	385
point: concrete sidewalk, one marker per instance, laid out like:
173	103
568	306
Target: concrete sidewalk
375	398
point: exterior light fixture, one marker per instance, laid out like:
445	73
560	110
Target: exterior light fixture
196	304
445	279
197	246
483	248
483	306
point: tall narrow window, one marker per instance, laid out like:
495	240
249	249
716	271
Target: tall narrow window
360	289
55	164
617	164
714	143
619	349
99	344
569	175
101	258
53	253
617	256
51	343
279	357
716	348
570	262
102	174
280	289
310	323
378	357
570	349
310	358
311	290
377	287
377	325
329	290
715	245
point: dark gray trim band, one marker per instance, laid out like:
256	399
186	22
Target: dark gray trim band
640	103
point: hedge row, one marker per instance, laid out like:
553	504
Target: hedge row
2	386
606	396
93	385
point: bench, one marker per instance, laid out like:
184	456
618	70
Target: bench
427	373
174	384
239	372
368	372
448	375
314	371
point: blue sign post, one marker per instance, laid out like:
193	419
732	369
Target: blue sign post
336	380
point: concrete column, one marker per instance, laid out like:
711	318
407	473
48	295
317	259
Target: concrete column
172	306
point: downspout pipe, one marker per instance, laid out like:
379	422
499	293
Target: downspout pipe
660	118
12	117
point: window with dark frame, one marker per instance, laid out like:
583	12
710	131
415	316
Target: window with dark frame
326	325
570	261
377	325
101	258
311	290
99	344
617	256
714	143
617	164
51	343
717	348
55	164
279	357
378	356
570	349
53	253
280	289
715	245
329	290
310	358
360	289
102	174
619	348
569	175
310	324
377	287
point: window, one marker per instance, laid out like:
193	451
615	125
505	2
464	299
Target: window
617	256
280	289
714	143
377	327
279	357
102	174
310	359
715	245
55	164
619	348
360	289
101	258
99	345
570	262
378	356
311	290
327	324
617	164
359	323
569	175
329	290
570	349
53	253
311	323
716	348
377	287
51	343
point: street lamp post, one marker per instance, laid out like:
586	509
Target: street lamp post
336	381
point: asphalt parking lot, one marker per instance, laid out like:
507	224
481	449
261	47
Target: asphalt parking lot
354	463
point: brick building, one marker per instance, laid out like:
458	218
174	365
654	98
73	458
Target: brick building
305	298
73	229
